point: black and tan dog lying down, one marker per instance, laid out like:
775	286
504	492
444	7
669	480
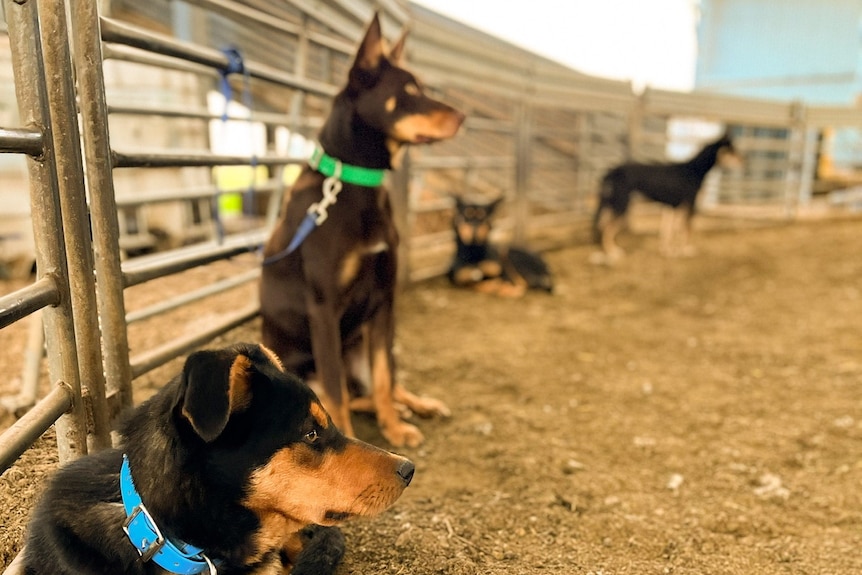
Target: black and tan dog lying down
480	265
233	467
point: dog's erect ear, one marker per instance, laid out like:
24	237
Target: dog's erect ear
493	205
397	51
371	50
216	384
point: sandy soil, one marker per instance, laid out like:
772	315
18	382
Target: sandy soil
683	416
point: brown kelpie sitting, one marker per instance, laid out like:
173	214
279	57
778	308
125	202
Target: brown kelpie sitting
328	280
478	264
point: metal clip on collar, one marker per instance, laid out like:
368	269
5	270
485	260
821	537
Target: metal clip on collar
331	188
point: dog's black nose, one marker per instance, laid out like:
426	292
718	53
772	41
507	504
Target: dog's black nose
405	471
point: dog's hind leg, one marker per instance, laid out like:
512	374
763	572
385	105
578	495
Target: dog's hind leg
609	235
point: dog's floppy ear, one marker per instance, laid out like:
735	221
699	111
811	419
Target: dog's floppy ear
216	384
397	51
371	50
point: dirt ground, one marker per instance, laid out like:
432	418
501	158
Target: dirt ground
686	416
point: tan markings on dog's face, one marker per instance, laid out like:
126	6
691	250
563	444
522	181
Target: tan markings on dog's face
412	89
239	386
302	484
473	234
729	159
390	104
465	232
422	128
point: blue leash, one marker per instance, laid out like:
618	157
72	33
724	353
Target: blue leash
235	65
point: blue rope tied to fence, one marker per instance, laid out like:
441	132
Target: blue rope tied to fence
235	65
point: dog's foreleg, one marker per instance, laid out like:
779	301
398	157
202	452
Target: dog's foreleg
328	364
490	268
666	231
380	339
421	406
322	551
467	275
687	249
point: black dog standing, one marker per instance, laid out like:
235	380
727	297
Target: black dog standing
673	184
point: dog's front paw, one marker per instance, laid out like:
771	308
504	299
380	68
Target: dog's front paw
429	407
401	434
688	251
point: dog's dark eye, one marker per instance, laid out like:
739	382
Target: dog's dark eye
311	436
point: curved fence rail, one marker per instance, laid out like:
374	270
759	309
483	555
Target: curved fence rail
146	195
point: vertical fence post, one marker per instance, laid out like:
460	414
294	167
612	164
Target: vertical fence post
26	48
586	168
808	170
400	198
86	37
635	131
76	224
523	141
796	144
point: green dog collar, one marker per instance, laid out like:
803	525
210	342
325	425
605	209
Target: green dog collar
332	168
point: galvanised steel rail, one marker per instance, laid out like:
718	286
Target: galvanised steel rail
120	33
51	292
21	140
144	269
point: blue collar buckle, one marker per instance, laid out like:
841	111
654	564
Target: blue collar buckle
143	532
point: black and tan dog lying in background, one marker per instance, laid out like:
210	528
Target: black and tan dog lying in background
223	470
479	265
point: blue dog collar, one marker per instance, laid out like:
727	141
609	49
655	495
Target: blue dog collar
180	558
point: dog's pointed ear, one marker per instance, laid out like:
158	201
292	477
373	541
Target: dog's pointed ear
397	51
494	204
215	384
372	49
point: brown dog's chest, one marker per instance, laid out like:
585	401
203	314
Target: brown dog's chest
354	248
